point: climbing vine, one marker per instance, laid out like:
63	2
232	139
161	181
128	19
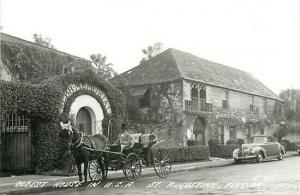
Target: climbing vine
41	103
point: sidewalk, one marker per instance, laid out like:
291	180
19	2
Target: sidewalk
39	183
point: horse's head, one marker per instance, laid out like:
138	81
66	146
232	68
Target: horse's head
66	132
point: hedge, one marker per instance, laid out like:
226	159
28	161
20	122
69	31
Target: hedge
41	103
222	151
185	153
289	146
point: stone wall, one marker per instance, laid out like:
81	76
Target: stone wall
238	116
163	114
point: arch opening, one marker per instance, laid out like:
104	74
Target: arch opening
199	130
88	114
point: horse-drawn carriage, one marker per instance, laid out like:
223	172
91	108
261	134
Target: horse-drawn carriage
99	157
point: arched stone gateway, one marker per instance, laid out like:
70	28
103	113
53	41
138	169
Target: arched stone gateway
199	130
86	110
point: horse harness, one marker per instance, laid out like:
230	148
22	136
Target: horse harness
79	142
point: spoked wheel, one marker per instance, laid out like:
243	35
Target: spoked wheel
133	167
95	171
161	162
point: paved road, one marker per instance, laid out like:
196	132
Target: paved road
272	177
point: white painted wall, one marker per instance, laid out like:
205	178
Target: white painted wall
93	107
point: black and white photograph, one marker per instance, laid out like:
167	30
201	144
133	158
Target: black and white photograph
134	97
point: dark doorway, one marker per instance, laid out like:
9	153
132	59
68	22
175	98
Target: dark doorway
199	130
84	121
16	144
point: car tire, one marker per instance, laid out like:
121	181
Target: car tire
280	157
259	158
237	161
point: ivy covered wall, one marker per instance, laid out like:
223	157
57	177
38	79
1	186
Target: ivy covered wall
32	63
42	103
158	110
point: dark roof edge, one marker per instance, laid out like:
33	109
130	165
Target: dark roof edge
211	84
32	43
237	90
154	83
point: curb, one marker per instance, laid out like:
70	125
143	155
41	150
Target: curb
219	163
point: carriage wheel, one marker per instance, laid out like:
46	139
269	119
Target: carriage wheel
133	167
95	171
161	162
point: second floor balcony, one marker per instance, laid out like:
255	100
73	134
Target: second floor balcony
197	104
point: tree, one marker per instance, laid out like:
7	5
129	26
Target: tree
151	51
43	41
289	97
148	54
102	68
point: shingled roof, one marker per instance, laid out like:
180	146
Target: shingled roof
173	65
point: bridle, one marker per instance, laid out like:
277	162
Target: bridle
70	133
78	142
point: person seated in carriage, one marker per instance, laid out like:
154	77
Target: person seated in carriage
124	138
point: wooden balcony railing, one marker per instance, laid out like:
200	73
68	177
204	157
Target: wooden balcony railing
197	104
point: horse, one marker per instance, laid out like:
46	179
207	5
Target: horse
80	146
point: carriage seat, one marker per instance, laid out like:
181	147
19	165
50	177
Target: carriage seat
115	148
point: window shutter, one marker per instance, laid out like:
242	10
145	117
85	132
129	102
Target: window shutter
208	95
186	91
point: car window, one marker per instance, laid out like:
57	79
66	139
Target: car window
259	140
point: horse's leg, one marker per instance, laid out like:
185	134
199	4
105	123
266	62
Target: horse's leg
101	162
85	170
78	165
105	160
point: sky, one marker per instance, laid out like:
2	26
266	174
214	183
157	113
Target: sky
261	37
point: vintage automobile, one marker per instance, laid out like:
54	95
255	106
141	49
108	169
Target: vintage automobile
261	148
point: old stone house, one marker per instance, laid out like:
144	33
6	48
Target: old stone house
185	99
40	86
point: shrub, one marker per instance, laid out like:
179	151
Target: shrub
289	146
184	153
193	143
220	150
230	141
223	151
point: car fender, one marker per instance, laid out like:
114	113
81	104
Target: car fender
235	151
280	147
258	149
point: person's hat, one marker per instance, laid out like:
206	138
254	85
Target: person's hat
123	126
